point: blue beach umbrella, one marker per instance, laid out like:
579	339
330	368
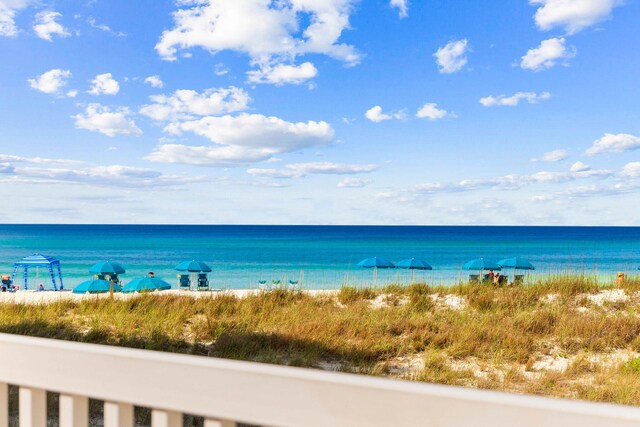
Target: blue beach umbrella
95	286
193	267
481	264
146	283
413	264
107	268
517	263
376	263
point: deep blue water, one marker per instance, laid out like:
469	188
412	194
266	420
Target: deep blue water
317	256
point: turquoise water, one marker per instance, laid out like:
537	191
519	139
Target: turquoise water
319	257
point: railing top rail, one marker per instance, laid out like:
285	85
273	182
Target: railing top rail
277	395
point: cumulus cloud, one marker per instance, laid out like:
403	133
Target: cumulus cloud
245	138
283	74
402	6
98	118
104	84
614	143
50	82
287	29
8	12
46	27
376	115
580	167
572	15
546	55
513	100
631	170
452	56
154	81
299	170
431	111
552	156
185	104
353	183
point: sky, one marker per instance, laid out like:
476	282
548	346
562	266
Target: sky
508	112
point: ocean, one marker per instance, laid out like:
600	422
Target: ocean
318	257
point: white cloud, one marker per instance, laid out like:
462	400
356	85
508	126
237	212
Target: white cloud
45	25
631	170
572	15
283	74
552	156
287	29
376	115
402	6
241	139
614	143
431	111
72	93
452	56
353	183
580	167
185	104
299	170
51	81
98	118
104	84
103	27
38	160
546	55
220	70
154	81
8	11
513	100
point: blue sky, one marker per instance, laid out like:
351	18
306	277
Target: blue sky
320	112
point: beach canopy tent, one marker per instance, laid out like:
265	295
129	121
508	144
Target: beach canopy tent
413	264
146	284
376	263
193	267
37	261
95	286
517	263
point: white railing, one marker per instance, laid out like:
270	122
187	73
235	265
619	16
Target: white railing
225	392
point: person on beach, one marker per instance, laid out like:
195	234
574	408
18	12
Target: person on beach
496	279
491	275
41	287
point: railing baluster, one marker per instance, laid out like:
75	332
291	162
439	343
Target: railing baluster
74	411
4	404
33	407
160	418
210	422
118	414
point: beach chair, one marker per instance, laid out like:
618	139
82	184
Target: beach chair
275	283
203	282
293	284
262	285
518	279
474	278
185	282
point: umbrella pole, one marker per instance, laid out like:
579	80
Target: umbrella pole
110	287
412	276
375	276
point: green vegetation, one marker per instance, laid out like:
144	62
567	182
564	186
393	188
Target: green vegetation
562	336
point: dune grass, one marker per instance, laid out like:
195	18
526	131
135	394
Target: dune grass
551	337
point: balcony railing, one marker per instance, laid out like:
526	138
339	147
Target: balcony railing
227	392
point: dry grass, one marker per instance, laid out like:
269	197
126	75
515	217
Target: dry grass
546	338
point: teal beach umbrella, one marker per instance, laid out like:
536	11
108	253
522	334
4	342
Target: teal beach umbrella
193	267
95	286
146	284
481	264
413	264
376	263
107	268
517	263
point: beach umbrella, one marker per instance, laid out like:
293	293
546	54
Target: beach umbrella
193	267
517	263
106	268
376	263
146	283
413	264
95	286
481	264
